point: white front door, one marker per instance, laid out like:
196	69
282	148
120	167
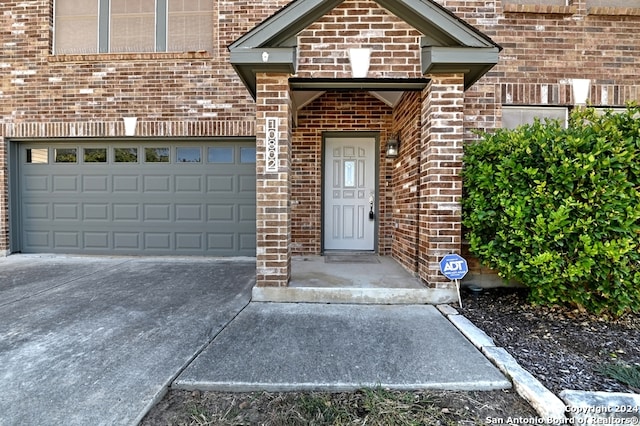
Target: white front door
350	205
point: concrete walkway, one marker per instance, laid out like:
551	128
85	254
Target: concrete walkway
98	340
285	346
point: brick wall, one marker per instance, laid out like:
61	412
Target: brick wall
197	93
406	181
334	111
323	46
195	86
545	46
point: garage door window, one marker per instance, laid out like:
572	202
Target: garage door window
248	155
37	155
125	155
95	155
188	155
66	155
156	155
220	155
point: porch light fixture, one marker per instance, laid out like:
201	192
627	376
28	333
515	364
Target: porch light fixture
359	60
130	125
580	88
392	147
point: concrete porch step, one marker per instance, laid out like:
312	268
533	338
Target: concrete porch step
354	295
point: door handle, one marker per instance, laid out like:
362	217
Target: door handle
372	215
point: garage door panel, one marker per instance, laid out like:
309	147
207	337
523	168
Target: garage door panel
247	213
157	212
188	183
157	241
247	242
96	240
66	240
220	184
139	207
221	241
126	241
97	212
36	183
188	212
37	239
189	241
126	212
156	184
65	211
126	184
247	183
36	211
220	213
65	183
95	183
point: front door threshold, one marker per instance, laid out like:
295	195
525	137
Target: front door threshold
354	295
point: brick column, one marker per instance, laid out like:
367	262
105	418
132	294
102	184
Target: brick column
273	160
440	180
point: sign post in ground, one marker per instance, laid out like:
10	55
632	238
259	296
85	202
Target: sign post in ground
454	267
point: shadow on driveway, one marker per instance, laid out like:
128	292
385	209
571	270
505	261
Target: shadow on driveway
96	340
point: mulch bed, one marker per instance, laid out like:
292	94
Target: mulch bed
560	346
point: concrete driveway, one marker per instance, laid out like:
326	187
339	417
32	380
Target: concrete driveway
96	340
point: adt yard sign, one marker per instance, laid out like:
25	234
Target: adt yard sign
454	267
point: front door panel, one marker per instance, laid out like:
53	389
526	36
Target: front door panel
350	191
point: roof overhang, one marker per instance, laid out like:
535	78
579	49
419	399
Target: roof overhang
249	62
472	62
449	43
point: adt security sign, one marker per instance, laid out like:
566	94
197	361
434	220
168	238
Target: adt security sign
454	267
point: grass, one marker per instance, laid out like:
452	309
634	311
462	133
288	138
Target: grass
627	374
374	407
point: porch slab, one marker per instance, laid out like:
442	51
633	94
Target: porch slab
361	281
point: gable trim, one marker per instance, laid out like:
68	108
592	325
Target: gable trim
453	44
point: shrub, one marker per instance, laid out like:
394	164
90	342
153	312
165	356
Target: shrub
558	209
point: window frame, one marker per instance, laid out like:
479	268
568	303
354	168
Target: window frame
161	31
104	26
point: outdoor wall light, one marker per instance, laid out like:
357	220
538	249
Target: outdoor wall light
359	60
130	125
392	147
580	88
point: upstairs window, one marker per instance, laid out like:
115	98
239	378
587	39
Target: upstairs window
515	116
613	3
132	26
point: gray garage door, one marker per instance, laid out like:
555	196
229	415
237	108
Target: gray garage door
157	198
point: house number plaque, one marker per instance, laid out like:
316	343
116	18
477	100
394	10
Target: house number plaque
272	145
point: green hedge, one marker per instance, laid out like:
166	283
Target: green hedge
559	209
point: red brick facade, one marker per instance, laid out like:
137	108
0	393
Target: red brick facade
193	94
